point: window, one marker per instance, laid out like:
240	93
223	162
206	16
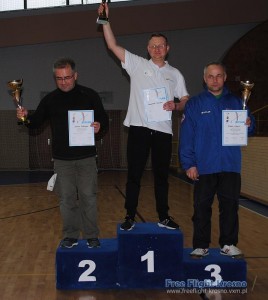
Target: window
11	5
45	3
8	5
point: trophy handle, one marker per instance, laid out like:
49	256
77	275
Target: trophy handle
247	87
18	104
17	98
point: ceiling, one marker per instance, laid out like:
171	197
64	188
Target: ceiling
140	16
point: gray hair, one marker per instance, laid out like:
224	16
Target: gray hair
64	62
216	63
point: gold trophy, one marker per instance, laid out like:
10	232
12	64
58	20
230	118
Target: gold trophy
16	87
102	18
247	85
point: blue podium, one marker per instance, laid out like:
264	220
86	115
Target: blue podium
84	268
214	271
147	257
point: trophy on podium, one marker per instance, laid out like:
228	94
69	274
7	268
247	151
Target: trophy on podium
102	18
247	87
16	87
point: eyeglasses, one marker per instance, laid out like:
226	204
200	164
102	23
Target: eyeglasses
66	78
163	46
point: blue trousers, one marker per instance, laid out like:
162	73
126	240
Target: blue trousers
226	186
76	186
141	141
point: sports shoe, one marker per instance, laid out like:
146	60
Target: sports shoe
128	224
199	252
93	243
231	251
168	223
68	243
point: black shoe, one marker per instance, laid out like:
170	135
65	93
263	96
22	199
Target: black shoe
128	224
68	243
168	223
93	243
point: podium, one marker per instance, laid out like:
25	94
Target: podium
87	268
147	257
214	271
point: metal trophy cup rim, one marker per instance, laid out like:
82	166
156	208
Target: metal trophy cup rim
247	84
15	84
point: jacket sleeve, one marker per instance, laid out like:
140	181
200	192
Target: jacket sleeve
186	140
40	115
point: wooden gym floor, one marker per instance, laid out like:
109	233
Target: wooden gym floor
31	231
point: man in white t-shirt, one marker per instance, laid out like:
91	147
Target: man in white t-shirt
154	84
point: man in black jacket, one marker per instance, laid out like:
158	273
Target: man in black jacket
74	162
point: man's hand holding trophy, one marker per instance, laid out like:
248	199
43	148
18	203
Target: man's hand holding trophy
102	18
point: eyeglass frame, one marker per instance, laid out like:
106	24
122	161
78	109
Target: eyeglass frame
66	78
161	47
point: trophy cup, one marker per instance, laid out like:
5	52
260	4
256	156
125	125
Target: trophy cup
102	18
247	85
16	87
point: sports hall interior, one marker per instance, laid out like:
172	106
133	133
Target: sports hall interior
234	32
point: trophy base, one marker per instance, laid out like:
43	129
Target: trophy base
102	21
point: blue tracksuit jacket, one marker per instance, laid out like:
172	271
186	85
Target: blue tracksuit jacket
200	140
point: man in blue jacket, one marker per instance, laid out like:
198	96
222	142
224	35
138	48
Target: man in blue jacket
214	168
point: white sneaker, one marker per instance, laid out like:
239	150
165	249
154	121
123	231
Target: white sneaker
231	251
199	252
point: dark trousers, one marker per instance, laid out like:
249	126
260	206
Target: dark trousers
76	186
140	141
227	187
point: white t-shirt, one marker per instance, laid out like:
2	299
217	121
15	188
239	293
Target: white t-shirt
145	75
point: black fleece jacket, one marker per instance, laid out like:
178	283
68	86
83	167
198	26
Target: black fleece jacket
55	106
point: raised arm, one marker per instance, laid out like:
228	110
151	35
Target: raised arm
118	51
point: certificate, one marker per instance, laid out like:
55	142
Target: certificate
81	133
154	100
234	128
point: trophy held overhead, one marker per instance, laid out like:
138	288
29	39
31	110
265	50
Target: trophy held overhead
102	18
